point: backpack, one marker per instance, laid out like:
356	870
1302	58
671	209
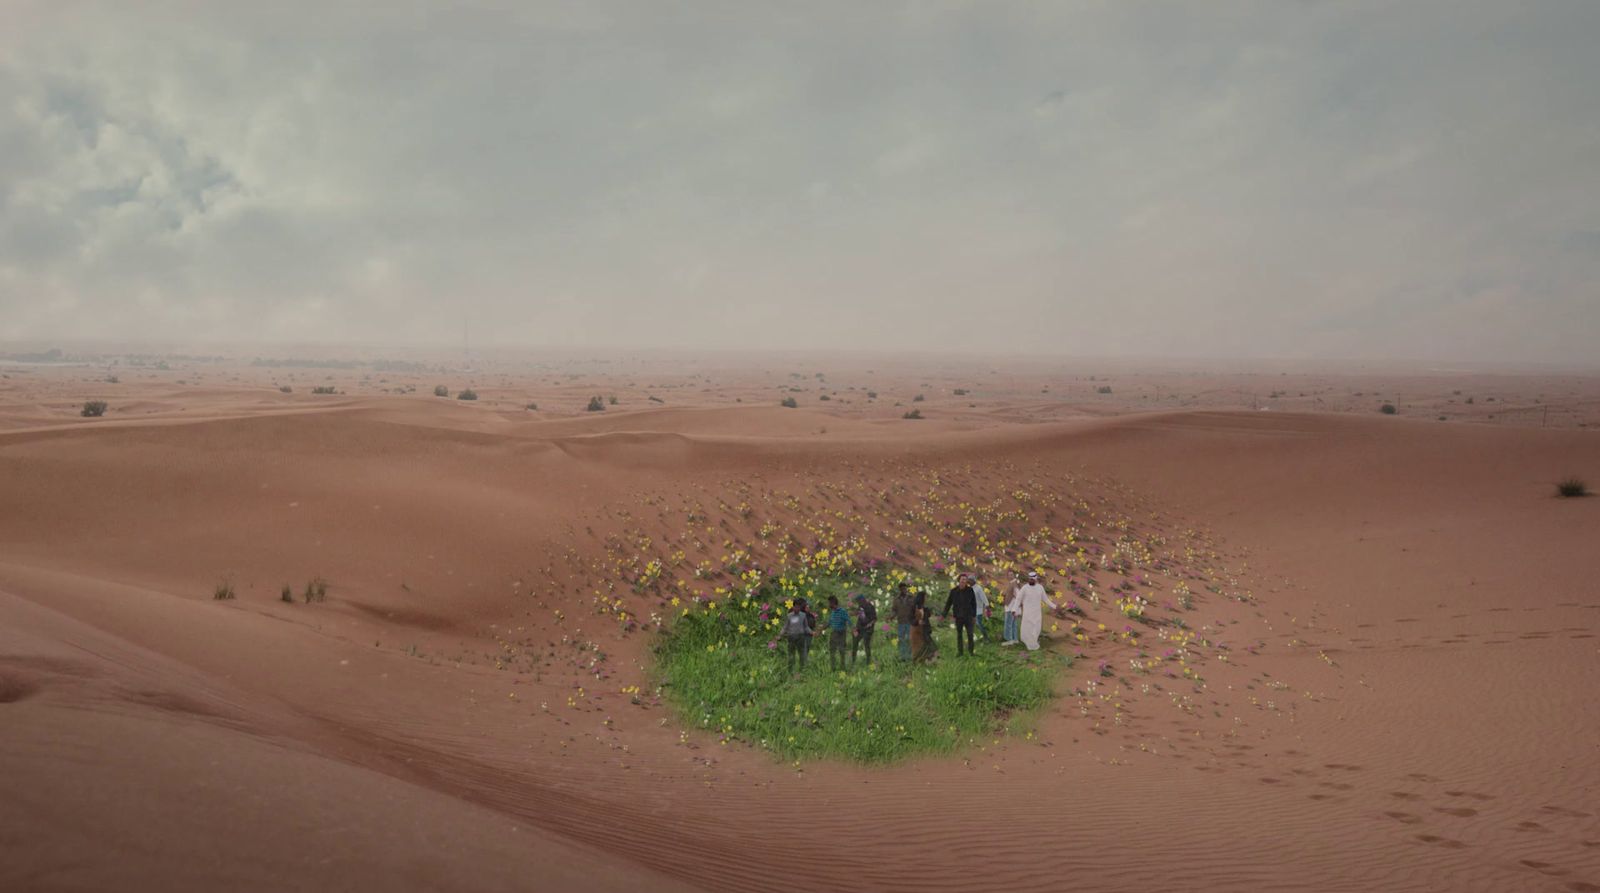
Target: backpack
795	625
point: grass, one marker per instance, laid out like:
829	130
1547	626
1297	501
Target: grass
1572	487
223	591
724	670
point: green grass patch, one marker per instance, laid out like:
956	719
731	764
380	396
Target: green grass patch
724	669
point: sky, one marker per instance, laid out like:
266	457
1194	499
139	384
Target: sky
1311	179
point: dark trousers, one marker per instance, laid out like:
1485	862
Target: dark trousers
863	637
903	631
964	626
836	649
800	645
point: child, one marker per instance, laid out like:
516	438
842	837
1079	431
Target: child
838	624
797	630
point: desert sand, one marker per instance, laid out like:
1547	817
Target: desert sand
1404	617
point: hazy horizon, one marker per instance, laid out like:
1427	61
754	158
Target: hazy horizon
1332	181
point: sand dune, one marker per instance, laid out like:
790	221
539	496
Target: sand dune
1406	707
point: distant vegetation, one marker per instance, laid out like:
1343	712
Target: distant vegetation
441	391
112	379
316	590
918	399
468	394
595	405
960	392
790	402
1103	389
533	407
324	389
223	591
913	414
1387	409
286	594
286	389
93	409
1572	486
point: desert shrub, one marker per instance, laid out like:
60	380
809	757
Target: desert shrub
112	379
285	389
789	402
441	391
872	395
93	409
1469	401
316	590
595	405
1387	409
612	400
468	394
918	399
960	392
286	594
1572	486
824	397
913	414
533	407
324	389
654	399
223	591
1103	389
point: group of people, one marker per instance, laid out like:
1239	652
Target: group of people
967	605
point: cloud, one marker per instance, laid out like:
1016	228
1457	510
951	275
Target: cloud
1267	179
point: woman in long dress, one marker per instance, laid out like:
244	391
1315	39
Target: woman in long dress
1033	599
922	649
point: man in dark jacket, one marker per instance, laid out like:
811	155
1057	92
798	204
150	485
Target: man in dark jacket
963	603
905	609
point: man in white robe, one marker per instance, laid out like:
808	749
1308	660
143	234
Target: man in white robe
1033	599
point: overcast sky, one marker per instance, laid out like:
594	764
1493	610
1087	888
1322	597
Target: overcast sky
1286	179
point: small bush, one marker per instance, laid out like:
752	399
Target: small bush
612	399
1387	409
824	397
286	594
223	591
872	395
918	399
654	399
441	391
1469	401
468	394
595	405
1103	389
316	590
93	409
324	389
533	407
960	392
789	402
913	414
1572	486
112	379
285	389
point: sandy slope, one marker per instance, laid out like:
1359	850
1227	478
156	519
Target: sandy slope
1411	707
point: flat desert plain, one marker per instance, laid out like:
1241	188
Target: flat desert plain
1370	658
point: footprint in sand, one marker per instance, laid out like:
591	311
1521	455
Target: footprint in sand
1531	826
1457	811
1446	842
1405	795
1471	795
1544	867
1324	797
1342	766
1271	781
1405	818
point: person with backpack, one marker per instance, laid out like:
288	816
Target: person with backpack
866	623
905	613
798	627
963	602
838	629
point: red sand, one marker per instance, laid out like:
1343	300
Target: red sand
1409	708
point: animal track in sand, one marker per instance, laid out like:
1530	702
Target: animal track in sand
1446	842
1543	867
1405	818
